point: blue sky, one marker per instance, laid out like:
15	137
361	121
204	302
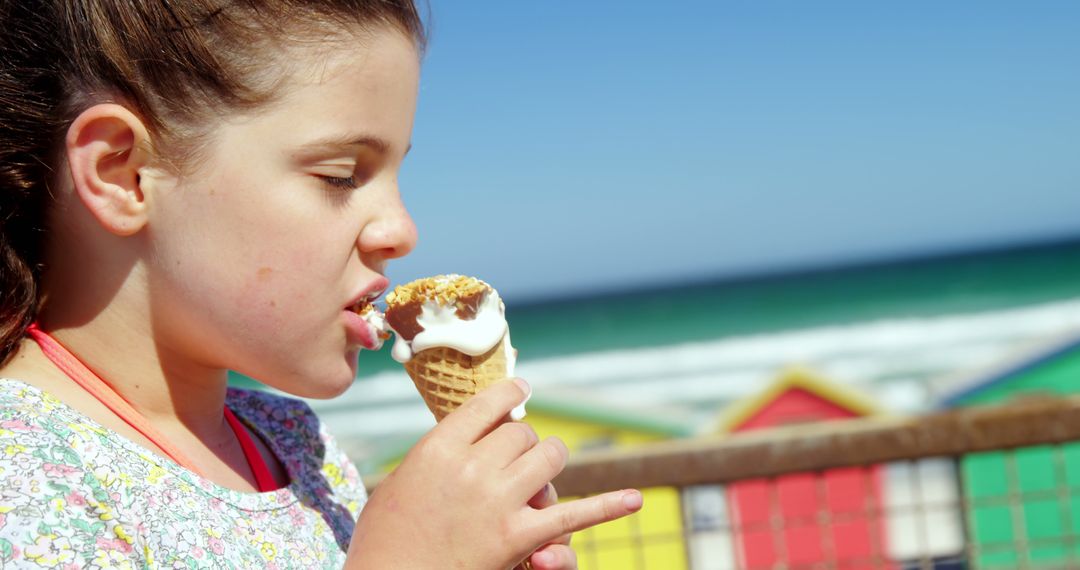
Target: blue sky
564	146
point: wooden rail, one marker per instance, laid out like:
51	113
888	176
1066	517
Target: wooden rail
813	447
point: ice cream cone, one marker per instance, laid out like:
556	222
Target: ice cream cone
452	338
446	377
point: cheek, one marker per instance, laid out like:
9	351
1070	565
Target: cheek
285	329
270	262
275	289
256	252
294	289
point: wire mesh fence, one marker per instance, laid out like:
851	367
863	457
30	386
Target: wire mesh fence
983	488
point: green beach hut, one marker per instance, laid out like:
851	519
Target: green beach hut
1023	506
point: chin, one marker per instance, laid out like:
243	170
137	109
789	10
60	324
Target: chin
327	386
320	383
326	391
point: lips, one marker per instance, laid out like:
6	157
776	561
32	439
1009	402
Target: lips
374	319
361	303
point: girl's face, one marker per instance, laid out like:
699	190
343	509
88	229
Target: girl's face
286	219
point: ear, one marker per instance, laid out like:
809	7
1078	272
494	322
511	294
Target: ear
106	146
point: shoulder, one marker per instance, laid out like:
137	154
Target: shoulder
54	509
18	395
43	438
36	440
30	417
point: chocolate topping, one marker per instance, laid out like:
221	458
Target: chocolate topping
402	318
468	305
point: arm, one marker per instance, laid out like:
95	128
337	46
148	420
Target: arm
460	499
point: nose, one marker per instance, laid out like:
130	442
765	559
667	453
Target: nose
391	233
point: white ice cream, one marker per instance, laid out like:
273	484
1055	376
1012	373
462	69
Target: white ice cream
376	321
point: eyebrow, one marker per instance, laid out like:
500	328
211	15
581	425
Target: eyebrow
348	141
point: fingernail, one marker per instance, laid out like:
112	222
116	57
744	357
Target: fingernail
523	385
631	500
543	558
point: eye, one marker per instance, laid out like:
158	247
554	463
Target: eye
339	183
360	169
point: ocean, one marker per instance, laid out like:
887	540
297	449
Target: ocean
694	312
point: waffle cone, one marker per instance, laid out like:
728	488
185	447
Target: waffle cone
446	377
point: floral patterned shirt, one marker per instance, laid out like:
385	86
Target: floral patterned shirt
74	494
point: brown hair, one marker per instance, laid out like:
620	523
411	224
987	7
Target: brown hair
173	62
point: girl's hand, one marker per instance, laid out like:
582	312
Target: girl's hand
460	497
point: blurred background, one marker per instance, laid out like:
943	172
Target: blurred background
683	202
888	192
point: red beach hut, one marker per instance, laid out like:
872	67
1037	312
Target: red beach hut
804	520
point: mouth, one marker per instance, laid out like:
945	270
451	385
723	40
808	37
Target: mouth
365	307
364	300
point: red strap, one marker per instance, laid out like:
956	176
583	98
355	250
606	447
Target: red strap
263	478
70	365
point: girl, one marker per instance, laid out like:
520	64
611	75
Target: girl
192	186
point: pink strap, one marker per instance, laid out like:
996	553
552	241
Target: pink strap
70	365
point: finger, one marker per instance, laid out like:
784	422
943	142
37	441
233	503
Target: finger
573	516
539	465
545	497
481	413
507	443
554	557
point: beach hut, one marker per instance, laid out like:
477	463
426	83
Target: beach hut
1023	506
803	519
619	544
